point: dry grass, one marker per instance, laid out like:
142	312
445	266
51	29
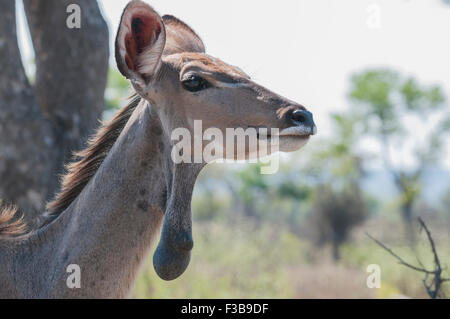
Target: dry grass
244	261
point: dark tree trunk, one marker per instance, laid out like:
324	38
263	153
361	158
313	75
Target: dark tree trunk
336	250
40	126
407	214
404	185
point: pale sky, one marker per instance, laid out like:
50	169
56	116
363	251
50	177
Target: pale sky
307	49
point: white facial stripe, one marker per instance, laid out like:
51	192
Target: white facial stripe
230	85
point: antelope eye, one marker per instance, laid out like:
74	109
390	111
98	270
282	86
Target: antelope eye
195	83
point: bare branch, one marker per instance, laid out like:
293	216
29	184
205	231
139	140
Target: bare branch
400	260
432	287
431	241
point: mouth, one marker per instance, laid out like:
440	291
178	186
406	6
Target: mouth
293	138
299	132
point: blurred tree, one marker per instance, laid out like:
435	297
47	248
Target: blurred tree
339	204
41	125
335	214
252	189
244	193
383	100
336	161
211	200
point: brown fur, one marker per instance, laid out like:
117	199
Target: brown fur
215	66
180	37
80	172
10	224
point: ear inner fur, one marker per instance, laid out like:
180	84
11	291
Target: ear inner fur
145	32
140	41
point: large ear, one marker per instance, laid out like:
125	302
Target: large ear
180	37
140	42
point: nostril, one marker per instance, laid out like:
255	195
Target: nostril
300	117
303	117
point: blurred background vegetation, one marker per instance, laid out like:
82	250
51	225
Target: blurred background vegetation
300	233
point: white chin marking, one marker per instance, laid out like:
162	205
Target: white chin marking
292	143
297	131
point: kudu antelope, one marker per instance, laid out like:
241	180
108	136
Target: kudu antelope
125	185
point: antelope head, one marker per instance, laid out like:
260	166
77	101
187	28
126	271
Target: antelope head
166	63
